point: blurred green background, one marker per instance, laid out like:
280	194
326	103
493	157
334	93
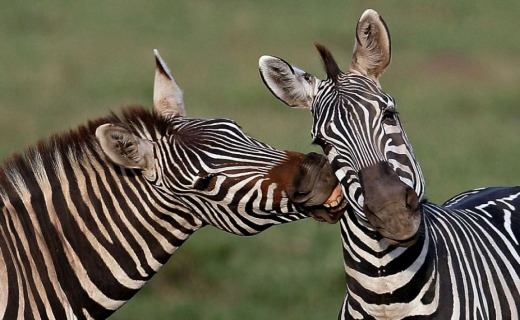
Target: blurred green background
455	75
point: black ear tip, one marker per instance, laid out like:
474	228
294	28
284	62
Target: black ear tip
157	58
161	65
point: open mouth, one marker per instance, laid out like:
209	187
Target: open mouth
332	209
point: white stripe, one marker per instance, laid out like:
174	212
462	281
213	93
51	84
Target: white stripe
390	283
74	260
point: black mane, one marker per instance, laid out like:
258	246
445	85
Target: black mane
330	65
76	143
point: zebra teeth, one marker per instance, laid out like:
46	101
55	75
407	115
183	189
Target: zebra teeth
334	203
334	198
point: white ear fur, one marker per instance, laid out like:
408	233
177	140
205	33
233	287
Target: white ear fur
372	51
293	86
167	95
124	148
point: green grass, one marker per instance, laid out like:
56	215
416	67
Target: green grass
455	75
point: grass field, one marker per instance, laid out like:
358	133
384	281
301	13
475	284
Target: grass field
455	75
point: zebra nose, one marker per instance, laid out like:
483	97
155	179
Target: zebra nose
412	200
316	190
314	182
390	206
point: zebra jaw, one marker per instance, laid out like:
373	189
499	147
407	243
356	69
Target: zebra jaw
332	209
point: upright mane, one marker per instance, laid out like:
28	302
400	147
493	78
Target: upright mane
78	143
330	65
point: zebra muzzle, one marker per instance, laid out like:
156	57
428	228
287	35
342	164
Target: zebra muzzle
390	206
317	191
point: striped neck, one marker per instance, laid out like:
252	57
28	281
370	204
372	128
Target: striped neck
128	231
380	277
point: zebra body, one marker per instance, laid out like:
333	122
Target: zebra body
405	258
475	279
89	216
53	196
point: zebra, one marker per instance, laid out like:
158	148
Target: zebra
90	215
404	257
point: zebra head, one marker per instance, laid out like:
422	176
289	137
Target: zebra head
357	125
213	170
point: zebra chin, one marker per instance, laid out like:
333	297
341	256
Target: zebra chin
402	242
398	225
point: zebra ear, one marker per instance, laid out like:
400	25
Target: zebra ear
167	96
372	51
293	86
124	148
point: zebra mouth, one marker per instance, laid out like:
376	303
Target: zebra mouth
332	209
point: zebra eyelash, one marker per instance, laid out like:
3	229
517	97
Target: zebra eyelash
204	181
389	115
322	143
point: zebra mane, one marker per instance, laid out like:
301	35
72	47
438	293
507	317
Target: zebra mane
79	144
330	65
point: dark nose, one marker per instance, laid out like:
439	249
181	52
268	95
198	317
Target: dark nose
390	205
316	189
314	182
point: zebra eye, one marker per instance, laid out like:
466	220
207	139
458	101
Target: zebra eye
205	182
323	144
307	77
389	117
318	141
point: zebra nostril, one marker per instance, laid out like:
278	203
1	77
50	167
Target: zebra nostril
411	200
